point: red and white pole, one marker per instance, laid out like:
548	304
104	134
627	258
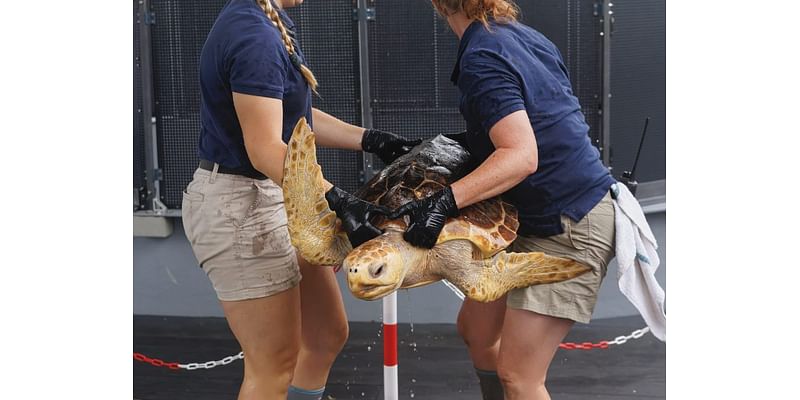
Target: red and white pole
390	388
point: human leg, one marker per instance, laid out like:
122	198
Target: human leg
268	329
479	325
539	317
324	326
237	229
528	343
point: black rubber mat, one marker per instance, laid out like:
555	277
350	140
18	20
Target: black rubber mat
433	362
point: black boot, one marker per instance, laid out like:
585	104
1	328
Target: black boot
491	388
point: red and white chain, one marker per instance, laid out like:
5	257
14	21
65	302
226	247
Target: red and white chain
227	360
604	344
190	366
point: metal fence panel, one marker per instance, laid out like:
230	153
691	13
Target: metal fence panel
138	125
638	87
326	33
413	51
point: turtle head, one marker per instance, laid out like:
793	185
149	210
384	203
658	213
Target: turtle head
379	266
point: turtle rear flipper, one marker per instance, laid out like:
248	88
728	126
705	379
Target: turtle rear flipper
315	231
506	271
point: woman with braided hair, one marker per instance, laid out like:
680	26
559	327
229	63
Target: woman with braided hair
526	129
255	86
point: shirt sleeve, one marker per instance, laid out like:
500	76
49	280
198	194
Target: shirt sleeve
256	64
491	89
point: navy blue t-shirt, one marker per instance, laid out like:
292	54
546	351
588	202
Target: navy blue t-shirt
244	53
511	68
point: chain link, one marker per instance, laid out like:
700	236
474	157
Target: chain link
604	344
635	335
211	364
229	359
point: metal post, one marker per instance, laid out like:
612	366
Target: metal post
605	130
363	13
152	171
390	381
390	384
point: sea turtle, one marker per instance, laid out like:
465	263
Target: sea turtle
469	252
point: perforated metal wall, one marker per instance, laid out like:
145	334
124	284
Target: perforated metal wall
326	32
412	53
328	36
574	26
178	36
638	87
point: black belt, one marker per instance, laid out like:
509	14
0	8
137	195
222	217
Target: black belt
209	166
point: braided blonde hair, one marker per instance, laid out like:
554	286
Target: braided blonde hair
266	5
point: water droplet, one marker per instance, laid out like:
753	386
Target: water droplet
411	394
362	394
413	380
369	348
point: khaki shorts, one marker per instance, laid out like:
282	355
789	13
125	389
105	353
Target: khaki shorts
237	228
589	241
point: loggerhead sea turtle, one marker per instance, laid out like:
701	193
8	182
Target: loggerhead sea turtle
469	252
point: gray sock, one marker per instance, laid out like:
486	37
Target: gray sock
296	393
491	388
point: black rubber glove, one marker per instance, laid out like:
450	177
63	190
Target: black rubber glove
427	217
355	214
386	145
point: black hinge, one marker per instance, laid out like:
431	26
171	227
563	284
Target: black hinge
139	198
158	174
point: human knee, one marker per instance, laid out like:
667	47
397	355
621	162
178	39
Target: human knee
329	342
514	381
476	337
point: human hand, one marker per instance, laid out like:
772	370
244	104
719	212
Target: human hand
388	146
355	214
428	217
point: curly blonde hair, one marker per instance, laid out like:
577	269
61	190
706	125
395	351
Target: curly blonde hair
481	10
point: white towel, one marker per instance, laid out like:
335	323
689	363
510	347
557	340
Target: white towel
637	261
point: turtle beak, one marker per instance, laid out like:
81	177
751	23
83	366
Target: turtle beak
374	269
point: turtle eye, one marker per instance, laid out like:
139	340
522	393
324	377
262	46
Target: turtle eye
376	272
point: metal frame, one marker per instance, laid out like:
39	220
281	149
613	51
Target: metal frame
364	14
153	174
606	17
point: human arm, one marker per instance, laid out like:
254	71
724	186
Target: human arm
261	119
261	122
514	158
333	132
493	96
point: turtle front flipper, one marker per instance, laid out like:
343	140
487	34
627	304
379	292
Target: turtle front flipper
315	231
497	275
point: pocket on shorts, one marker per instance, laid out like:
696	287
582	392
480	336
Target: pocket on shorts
577	233
190	209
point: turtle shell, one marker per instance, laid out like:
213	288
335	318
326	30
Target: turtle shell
491	225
